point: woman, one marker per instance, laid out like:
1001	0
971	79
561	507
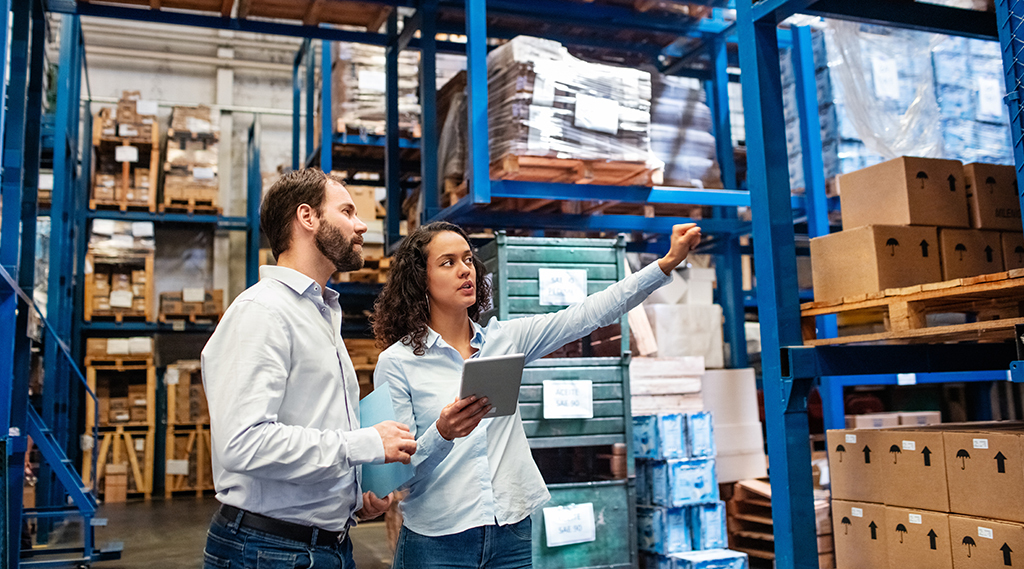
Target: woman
470	500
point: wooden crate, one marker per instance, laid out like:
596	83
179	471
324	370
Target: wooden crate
111	383
186	398
188	451
124	183
172	307
750	528
96	264
118	446
571	171
995	301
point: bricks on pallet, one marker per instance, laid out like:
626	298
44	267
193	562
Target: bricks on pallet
661	436
663	530
684	482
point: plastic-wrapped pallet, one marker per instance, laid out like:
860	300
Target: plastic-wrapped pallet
542	101
358	82
681	133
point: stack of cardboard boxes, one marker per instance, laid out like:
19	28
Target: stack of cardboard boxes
136	117
679	513
191	302
125	152
911	221
940	496
190	169
118	269
119	401
188	465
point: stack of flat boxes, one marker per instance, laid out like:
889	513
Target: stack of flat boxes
119	268
197	302
910	221
188	465
126	123
943	496
678	510
190	177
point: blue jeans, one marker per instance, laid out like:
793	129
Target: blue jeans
229	546
486	547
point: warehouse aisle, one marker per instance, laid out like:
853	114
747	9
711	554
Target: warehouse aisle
171	534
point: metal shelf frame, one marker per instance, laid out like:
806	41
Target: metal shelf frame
790	369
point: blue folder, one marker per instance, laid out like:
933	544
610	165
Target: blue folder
381	479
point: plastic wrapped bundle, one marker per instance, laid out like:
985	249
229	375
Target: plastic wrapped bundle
358	83
681	133
544	102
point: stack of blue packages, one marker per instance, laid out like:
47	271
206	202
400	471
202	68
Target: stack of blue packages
711	559
679	508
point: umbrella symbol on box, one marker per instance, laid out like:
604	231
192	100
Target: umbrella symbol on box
895	452
969	542
960	248
1019	251
892	244
991	183
840	449
902	530
922	176
846	522
963	455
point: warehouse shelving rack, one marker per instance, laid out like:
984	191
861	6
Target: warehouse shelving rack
789	368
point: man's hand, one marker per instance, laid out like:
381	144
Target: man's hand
399	445
685	237
373	506
458	419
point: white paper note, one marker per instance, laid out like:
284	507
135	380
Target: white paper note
142	228
562	287
565	525
598	114
990	98
372	81
120	299
177	467
201	173
45	181
193	294
126	154
886	77
569	399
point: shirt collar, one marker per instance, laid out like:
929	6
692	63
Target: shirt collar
293	279
476	341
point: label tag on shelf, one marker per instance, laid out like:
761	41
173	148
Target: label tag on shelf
595	113
906	379
569	399
193	294
140	444
857	512
886	77
986	533
562	287
45	181
990	98
126	154
177	467
120	299
202	173
565	525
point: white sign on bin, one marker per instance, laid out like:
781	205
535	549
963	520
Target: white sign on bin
179	467
568	399
566	525
126	154
562	287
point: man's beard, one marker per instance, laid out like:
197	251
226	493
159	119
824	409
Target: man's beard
340	251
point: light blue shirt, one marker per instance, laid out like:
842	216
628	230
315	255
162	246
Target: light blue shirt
488	476
284	404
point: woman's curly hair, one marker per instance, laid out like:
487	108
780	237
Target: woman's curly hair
401	311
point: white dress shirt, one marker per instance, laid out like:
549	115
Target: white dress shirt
284	404
488	476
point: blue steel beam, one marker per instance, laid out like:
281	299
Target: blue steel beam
611	223
778	304
297	106
917	16
254	193
778	10
631	194
310	98
428	103
392	157
478	162
1010	15
806	362
229	223
326	108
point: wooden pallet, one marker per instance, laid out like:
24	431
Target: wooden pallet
313	12
104	148
374	271
196	444
570	171
119	363
121	205
193	318
119	444
190	206
995	301
117	314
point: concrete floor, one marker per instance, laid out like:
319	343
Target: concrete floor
171	535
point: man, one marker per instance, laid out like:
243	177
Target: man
284	396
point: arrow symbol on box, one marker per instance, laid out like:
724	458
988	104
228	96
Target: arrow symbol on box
952	183
1006	555
1001	463
873	527
927	456
931	536
867	455
924	248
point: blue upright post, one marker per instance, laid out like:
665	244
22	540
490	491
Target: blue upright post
728	264
478	164
326	114
428	105
392	158
1010	18
254	186
310	102
777	299
297	155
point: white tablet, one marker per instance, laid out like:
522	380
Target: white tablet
497	378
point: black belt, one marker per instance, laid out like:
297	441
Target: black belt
287	530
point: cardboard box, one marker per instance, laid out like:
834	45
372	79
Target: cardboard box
920	418
873	258
861	541
918	539
115	483
979	543
139	277
969	253
873	421
365	200
985	472
905	191
1013	250
857	465
138	414
992	196
914	470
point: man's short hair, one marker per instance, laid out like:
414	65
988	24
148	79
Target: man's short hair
307	186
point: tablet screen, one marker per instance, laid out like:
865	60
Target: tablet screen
497	378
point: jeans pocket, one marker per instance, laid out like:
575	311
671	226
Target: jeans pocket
266	559
211	561
522	530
